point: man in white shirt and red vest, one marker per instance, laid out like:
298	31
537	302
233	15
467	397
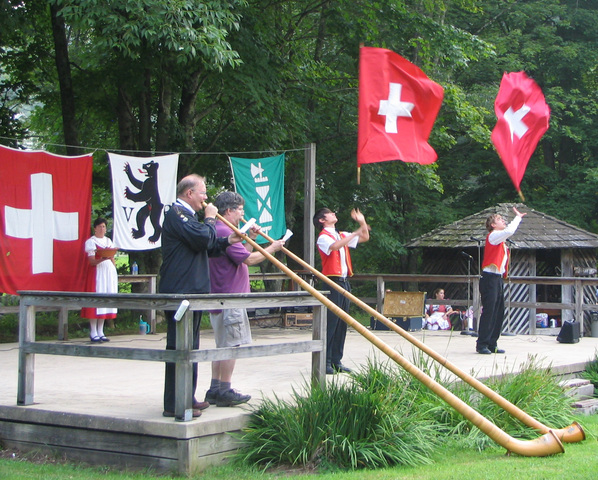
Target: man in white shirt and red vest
495	267
336	265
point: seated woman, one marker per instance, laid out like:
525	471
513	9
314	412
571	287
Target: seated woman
437	317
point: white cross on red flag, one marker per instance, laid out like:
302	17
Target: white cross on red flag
45	209
398	105
523	117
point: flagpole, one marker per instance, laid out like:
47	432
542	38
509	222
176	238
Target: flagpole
521	195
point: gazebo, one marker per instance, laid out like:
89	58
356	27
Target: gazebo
542	246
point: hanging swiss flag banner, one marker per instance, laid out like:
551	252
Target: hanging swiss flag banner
523	118
45	209
398	105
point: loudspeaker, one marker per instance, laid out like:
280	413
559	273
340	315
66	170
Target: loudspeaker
569	333
410	324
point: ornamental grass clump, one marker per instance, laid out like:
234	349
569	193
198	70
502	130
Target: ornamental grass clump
368	420
381	416
591	371
535	390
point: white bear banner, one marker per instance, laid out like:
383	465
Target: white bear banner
142	188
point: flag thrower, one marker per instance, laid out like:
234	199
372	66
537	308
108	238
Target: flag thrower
547	444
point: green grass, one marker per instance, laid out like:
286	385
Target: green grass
579	462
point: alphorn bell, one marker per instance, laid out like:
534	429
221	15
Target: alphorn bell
571	434
547	444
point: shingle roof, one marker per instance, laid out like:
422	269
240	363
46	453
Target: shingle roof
536	231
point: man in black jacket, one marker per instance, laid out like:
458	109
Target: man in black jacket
186	245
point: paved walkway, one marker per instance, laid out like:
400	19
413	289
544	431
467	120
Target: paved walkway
133	389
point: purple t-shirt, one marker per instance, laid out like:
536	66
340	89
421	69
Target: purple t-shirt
228	273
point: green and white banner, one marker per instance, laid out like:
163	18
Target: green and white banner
261	183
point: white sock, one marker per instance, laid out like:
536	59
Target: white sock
93	328
100	327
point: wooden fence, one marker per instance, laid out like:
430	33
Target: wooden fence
63	312
580	290
184	356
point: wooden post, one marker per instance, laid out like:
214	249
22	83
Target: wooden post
579	305
567	290
63	323
26	360
152	315
318	358
184	369
477	303
380	285
309	205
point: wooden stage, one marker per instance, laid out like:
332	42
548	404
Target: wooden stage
109	411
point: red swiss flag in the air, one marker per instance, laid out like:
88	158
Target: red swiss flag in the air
398	105
523	118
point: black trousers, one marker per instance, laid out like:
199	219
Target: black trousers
169	376
493	310
336	329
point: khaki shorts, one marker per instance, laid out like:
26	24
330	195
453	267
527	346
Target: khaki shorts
231	327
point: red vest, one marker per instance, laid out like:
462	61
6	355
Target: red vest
494	255
331	263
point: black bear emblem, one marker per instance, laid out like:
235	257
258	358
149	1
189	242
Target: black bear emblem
148	193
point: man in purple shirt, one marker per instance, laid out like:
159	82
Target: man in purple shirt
229	273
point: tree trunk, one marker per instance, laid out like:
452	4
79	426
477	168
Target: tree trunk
67	98
187	117
164	114
145	113
126	120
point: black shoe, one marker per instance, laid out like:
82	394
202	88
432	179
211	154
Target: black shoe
230	398
498	350
95	339
484	351
329	370
211	396
104	339
340	368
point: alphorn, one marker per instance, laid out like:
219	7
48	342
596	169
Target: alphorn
571	434
547	444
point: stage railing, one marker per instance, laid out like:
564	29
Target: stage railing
184	356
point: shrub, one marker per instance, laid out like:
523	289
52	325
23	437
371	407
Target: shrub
591	371
367	421
381	416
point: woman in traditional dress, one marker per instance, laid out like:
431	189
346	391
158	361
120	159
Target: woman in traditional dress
438	316
102	278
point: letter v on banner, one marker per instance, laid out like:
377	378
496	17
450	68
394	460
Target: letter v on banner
398	105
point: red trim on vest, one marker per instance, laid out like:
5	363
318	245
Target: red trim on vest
331	263
494	255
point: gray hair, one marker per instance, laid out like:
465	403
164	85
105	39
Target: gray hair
228	201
